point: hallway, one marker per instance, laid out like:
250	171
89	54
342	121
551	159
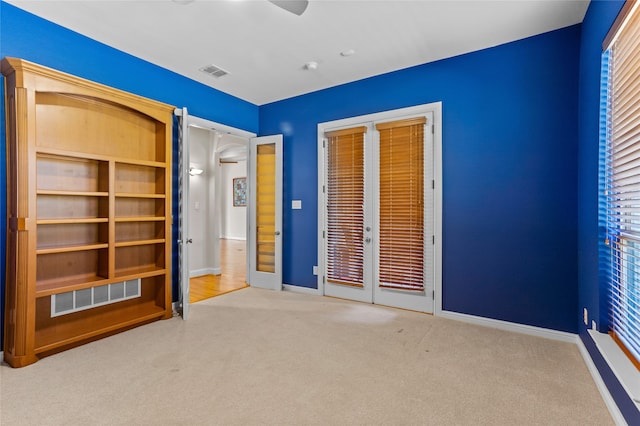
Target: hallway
233	265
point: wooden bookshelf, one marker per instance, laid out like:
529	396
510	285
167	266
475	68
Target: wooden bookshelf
88	200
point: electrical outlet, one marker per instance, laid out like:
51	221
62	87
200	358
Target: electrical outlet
585	314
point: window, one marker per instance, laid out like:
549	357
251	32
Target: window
621	76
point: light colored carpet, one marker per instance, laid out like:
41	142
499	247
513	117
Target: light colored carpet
280	358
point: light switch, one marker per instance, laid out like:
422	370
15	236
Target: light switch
296	204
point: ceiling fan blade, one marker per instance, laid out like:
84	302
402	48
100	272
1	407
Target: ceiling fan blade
294	6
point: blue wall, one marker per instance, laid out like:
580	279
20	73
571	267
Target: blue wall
26	36
592	292
520	160
597	22
509	165
29	37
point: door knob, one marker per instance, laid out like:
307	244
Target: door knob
277	232
367	240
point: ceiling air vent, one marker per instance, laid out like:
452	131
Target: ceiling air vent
214	71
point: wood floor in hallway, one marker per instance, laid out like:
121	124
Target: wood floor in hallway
233	266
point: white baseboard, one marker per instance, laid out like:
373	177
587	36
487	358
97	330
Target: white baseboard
204	271
604	391
225	237
621	366
298	289
511	326
487	322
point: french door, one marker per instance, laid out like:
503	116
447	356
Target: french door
379	212
265	215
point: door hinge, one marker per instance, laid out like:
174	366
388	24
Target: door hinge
324	141
433	239
323	234
433	129
433	184
323	279
323	189
433	294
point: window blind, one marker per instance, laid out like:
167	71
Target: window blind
345	206
265	208
401	204
622	183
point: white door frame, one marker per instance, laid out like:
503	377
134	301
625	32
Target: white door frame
193	121
436	109
260	279
183	215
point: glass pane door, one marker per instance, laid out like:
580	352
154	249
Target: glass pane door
265	212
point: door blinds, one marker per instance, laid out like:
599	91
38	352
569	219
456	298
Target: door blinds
622	178
401	204
345	206
266	208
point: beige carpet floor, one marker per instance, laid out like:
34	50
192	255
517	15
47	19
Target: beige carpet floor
257	357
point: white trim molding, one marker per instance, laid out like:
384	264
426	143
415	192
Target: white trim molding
203	123
624	370
204	271
511	326
303	290
604	391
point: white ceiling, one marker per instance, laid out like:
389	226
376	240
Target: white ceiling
264	47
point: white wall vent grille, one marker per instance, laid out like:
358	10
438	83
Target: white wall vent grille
214	71
87	298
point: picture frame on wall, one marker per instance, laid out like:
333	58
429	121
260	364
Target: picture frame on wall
240	192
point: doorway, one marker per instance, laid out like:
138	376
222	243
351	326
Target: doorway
199	219
380	199
217	213
231	278
224	144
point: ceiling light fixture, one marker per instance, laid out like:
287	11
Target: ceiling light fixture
346	53
193	171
